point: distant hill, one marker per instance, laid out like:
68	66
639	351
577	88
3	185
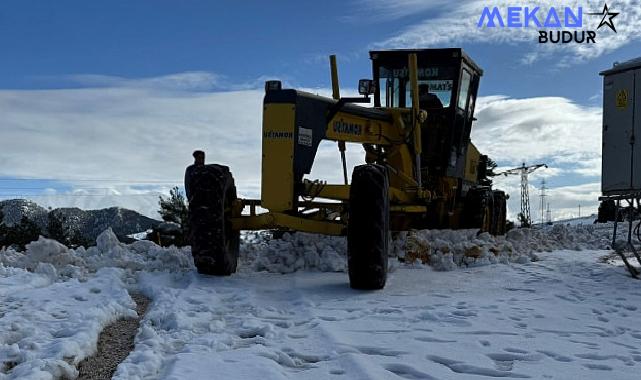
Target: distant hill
89	223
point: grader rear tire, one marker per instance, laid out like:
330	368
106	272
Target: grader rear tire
500	212
478	210
368	227
214	244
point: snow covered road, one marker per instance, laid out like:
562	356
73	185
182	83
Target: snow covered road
565	316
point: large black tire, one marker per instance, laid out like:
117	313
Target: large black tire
214	244
499	215
368	227
478	209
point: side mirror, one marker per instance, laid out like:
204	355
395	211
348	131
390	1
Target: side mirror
366	87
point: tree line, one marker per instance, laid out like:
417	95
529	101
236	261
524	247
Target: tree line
26	230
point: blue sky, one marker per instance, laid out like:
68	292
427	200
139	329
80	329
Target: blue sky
45	41
69	68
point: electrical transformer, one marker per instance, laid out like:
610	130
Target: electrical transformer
621	162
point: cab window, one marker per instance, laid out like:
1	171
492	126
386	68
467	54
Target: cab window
395	86
466	80
441	88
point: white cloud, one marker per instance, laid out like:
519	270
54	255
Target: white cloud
456	23
135	134
531	129
391	10
192	80
143	201
122	132
185	81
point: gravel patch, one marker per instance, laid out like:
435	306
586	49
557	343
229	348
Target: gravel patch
115	342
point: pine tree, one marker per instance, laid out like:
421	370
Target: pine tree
23	233
486	171
174	209
4	230
524	222
56	228
491	165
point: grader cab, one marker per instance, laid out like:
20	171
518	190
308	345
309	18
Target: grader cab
420	169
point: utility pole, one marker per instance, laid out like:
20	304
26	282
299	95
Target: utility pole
543	195
549	215
523	170
579	210
525	199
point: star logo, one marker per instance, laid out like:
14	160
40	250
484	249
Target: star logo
606	18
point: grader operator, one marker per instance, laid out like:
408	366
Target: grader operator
420	169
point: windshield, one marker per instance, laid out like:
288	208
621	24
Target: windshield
395	88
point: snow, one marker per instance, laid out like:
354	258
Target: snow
535	303
576	221
443	250
47	328
559	317
108	252
140	235
299	251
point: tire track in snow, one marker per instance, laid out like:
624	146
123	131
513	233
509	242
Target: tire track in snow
115	342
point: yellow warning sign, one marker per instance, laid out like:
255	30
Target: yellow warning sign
622	99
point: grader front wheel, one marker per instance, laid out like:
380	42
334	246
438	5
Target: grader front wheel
214	244
368	227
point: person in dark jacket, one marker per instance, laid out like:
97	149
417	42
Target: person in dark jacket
428	100
199	160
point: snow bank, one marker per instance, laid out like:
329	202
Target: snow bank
447	249
576	238
46	330
441	249
56	260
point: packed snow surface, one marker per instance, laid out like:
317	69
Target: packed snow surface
560	317
532	304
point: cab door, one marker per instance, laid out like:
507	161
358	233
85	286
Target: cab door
463	117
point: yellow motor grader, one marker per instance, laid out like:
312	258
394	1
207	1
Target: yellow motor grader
420	168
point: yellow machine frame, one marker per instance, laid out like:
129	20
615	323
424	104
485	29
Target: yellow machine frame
329	217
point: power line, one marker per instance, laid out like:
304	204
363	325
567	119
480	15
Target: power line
523	170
